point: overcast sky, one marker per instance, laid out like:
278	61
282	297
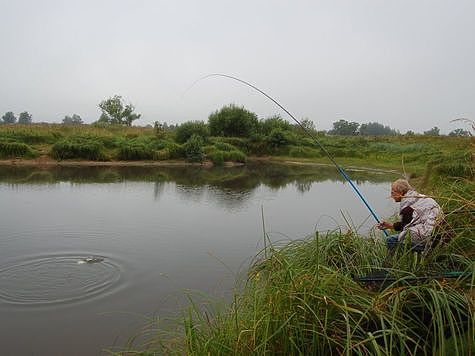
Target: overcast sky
406	64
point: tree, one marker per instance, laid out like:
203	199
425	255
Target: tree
72	120
432	132
459	132
9	118
232	121
24	118
344	128
115	112
376	129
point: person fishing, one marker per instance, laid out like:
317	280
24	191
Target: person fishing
419	214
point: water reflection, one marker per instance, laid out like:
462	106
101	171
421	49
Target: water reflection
191	178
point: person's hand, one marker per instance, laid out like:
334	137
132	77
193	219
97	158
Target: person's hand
384	225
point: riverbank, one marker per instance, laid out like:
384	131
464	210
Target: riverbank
304	297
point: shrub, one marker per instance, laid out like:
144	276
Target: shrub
223	146
276	122
175	150
184	132
279	138
233	121
135	151
235	156
15	149
194	149
304	152
70	149
217	157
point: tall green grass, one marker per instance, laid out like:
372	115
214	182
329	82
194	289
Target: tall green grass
10	149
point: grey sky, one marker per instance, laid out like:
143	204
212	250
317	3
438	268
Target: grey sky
407	64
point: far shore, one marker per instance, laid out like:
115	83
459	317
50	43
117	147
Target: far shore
45	161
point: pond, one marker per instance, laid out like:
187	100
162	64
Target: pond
150	234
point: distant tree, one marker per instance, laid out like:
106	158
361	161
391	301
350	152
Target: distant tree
344	128
24	118
72	120
435	131
115	112
9	118
307	126
376	129
231	121
459	132
410	133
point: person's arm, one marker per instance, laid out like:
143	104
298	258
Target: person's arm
406	218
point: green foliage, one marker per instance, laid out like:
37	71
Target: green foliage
280	138
435	131
10	149
72	120
114	111
304	152
25	118
460	133
376	129
184	132
273	123
9	118
194	149
74	148
231	121
344	128
175	150
217	157
456	164
234	156
223	146
130	151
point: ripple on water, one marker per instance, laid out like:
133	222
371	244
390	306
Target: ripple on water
56	279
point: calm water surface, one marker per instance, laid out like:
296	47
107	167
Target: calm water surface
159	231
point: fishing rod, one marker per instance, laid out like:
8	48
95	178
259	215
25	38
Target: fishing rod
312	136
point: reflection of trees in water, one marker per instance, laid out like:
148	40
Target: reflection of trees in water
231	185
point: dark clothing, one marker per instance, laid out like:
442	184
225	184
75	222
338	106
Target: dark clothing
406	218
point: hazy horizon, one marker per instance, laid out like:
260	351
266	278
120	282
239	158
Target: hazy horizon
405	64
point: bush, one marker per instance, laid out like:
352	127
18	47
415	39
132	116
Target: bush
233	121
135	151
304	152
217	157
276	122
184	132
194	149
175	150
223	146
235	156
15	149
279	138
85	149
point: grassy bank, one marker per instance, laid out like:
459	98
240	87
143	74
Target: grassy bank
304	297
119	143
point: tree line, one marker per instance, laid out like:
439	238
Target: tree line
230	120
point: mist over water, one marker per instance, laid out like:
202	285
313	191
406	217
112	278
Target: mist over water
160	231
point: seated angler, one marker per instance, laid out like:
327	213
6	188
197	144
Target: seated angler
419	216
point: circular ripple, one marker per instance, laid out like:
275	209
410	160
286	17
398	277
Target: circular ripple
56	279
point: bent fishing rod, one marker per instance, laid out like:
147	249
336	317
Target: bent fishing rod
310	134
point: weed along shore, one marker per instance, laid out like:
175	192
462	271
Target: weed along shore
331	293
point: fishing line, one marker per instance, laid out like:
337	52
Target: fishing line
312	136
